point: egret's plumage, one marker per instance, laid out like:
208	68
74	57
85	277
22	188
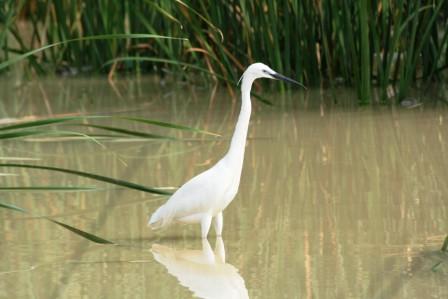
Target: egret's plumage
206	195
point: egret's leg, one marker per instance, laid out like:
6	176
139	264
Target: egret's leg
217	223
205	225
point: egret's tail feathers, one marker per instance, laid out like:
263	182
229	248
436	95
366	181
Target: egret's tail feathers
155	222
158	220
155	225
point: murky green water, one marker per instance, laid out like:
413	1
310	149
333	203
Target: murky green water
335	201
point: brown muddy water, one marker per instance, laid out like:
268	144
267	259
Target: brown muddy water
336	200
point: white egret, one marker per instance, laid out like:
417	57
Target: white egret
205	196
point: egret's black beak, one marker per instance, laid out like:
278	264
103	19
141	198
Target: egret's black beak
286	79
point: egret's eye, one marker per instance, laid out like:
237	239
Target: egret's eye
265	71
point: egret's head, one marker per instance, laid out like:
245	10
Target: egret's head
261	70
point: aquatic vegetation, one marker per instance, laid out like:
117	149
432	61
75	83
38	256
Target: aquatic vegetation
75	230
443	257
380	43
46	127
92	176
445	245
25	129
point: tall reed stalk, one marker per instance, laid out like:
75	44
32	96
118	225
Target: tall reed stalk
387	44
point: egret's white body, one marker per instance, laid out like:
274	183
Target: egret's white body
206	195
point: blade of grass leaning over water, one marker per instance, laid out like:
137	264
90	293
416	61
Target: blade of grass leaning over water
167	125
64	120
11	207
436	266
445	245
49	188
75	230
48	121
93	176
86	38
82	233
128	132
27	133
444	250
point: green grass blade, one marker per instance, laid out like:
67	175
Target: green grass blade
118	182
75	230
203	18
11	207
81	233
49	188
12	135
445	245
436	266
128	132
412	16
61	120
47	121
93	37
168	125
164	12
26	133
364	87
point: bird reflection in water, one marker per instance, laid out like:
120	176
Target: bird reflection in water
204	272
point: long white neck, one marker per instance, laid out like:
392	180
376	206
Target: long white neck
235	155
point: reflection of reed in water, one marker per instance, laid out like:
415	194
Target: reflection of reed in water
204	272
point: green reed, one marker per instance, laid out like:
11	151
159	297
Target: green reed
386	44
79	232
445	245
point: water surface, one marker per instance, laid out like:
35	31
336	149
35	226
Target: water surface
336	201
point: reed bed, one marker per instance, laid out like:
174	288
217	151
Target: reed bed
392	45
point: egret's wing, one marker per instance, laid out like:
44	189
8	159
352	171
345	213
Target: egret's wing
191	197
196	195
